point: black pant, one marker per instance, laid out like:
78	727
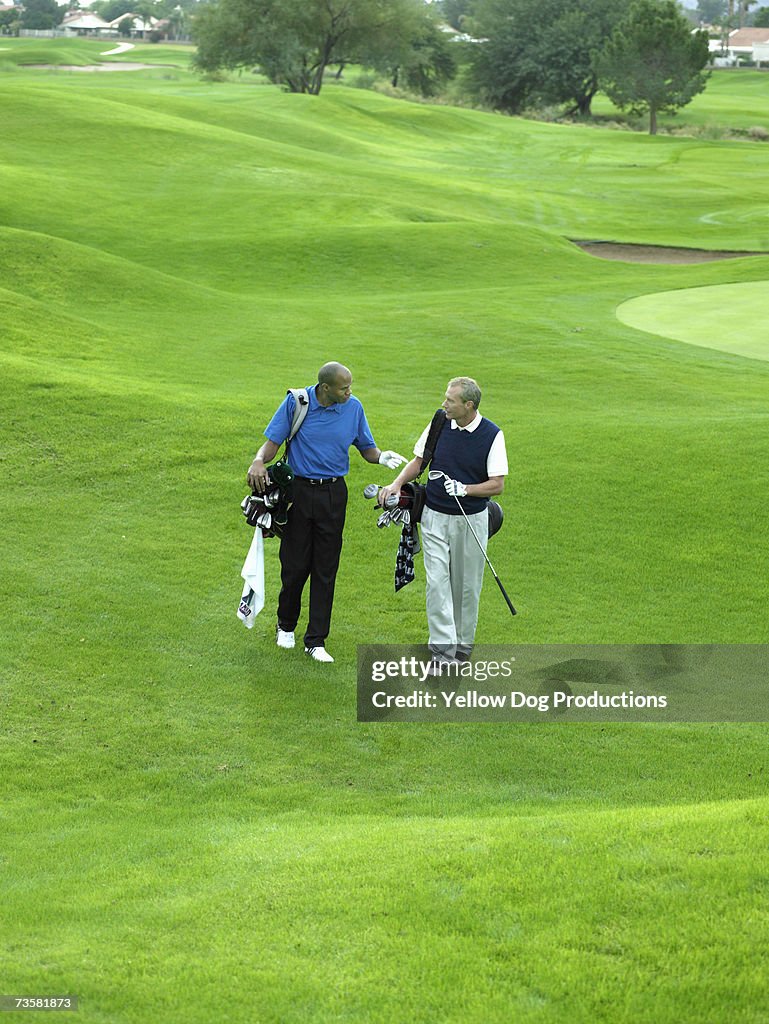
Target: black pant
310	547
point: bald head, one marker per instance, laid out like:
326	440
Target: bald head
334	384
329	372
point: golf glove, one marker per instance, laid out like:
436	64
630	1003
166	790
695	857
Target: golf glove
390	459
455	489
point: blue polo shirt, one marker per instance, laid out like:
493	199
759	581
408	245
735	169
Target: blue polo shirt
321	447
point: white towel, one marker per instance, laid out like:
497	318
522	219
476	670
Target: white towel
252	601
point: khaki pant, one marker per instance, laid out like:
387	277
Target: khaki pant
454	568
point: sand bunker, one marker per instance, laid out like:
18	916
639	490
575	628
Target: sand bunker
659	253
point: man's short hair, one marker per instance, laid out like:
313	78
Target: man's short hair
470	390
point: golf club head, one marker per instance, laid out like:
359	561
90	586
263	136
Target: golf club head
372	491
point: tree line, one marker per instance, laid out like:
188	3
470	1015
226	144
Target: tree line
642	53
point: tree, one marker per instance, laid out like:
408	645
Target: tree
41	14
10	22
294	41
454	12
727	25
732	20
761	18
653	61
427	62
110	10
540	51
743	9
711	12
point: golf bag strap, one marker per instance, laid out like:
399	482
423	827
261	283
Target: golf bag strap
302	407
437	425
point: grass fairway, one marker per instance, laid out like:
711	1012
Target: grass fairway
19	53
194	826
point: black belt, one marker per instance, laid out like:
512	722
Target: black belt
317	483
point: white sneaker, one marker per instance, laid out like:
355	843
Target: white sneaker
284	639
318	654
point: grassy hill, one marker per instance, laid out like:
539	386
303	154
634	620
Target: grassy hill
81	52
733	99
196	828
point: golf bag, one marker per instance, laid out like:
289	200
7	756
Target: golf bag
269	511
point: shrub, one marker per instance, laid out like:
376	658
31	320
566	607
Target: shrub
365	80
545	112
712	132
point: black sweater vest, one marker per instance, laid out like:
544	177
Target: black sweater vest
462	456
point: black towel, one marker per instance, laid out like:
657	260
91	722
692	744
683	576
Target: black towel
404	560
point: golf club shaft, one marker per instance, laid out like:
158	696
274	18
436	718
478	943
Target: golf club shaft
433	474
488	562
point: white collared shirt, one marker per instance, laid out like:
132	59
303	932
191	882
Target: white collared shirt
496	461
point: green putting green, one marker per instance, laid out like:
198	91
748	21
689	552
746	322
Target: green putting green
728	317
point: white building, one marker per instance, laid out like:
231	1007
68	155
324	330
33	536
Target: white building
752	43
139	27
82	23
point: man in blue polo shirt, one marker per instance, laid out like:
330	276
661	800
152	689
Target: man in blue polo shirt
470	453
319	456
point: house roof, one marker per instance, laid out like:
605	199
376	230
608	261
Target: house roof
80	20
748	36
137	21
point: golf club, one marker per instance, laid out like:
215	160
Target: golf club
436	474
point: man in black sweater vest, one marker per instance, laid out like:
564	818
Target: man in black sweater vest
470	453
